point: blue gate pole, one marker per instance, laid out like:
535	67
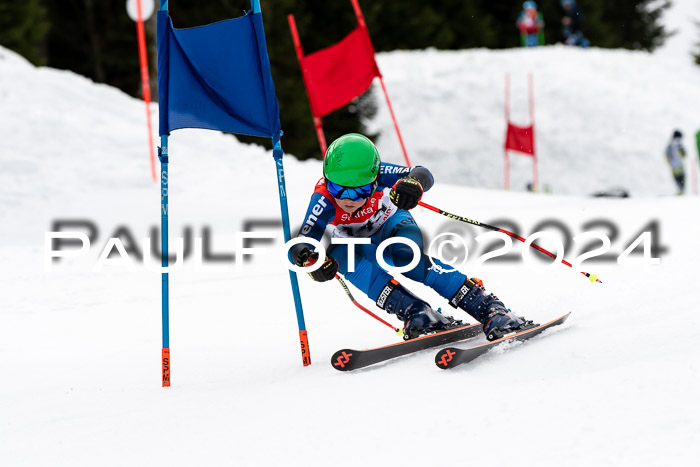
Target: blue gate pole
277	154
165	280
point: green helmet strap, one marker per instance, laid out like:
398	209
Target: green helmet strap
352	161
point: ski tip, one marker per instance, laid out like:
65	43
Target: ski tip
341	359
444	357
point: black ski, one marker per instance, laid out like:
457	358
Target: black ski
452	356
348	359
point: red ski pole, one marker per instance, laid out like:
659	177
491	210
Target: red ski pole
398	331
591	277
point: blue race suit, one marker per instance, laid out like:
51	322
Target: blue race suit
378	219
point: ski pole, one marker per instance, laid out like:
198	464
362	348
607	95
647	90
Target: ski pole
591	277
349	294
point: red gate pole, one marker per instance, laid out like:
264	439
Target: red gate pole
320	135
146	88
363	25
396	125
300	55
506	165
535	181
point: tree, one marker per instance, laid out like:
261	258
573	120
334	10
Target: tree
23	28
624	24
97	39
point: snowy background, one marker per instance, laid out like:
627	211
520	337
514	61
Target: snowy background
80	349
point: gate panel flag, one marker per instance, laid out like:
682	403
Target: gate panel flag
338	74
520	139
216	77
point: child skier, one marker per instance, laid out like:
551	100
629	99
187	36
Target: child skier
675	153
530	25
360	196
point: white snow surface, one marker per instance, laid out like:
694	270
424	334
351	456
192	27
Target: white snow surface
80	350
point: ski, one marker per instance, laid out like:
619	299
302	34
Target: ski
452	356
349	359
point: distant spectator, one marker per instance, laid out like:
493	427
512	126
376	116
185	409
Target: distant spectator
572	24
675	153
531	25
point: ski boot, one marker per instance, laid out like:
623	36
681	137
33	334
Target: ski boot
487	309
419	319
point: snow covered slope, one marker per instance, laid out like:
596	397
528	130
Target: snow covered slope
80	349
602	117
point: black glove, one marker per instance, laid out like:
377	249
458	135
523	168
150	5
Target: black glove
406	193
326	272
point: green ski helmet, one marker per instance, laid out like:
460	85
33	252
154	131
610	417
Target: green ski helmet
351	161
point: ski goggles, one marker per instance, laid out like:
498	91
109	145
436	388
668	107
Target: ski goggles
353	194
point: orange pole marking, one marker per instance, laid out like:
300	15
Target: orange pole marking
166	367
304	341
